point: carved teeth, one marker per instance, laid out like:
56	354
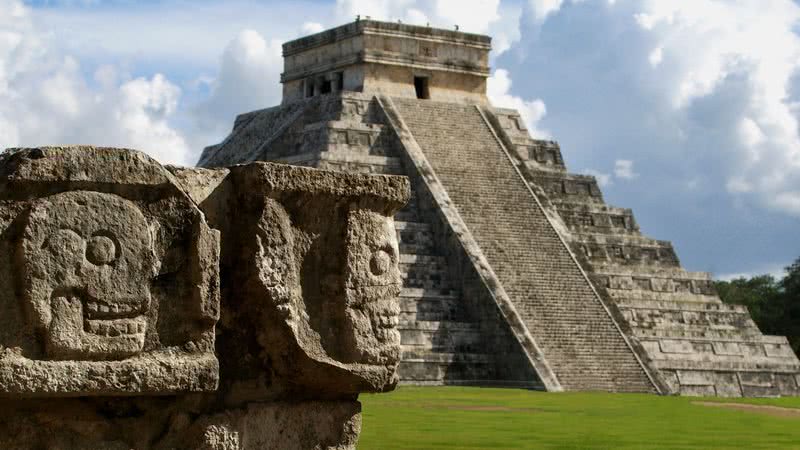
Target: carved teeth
115	328
99	310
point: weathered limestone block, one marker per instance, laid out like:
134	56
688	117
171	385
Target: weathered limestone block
311	259
115	335
108	277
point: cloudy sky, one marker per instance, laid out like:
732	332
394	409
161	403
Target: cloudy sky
685	110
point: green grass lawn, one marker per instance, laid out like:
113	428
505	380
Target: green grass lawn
458	417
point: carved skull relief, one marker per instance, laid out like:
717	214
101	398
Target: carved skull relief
88	262
373	283
275	258
338	294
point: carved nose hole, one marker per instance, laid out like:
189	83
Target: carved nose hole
101	250
381	262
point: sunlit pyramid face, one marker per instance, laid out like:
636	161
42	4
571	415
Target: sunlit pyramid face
88	264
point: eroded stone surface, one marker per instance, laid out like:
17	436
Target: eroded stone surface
125	293
108	287
311	259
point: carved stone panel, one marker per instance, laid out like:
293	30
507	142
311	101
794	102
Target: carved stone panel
310	265
108	277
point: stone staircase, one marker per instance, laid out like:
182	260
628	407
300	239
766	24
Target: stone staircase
441	343
576	334
697	344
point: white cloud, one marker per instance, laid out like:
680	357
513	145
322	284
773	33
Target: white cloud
656	56
46	99
623	168
163	34
347	10
777	271
603	179
739	186
470	15
311	28
500	20
248	79
543	8
751	47
750	133
499	91
416	17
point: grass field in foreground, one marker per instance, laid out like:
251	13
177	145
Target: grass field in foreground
473	418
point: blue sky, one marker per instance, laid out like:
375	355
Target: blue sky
685	110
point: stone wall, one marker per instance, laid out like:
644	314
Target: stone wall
375	57
141	312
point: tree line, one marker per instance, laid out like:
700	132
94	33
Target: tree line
774	303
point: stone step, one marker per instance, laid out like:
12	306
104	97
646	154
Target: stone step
413	354
625	297
434	280
433	372
658	318
412	259
424	271
416	226
413	292
417	248
441	335
567	187
646	283
431	308
407	214
415	238
728	366
587	219
746	346
686	305
730	334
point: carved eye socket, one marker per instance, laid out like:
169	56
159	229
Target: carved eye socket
381	262
101	250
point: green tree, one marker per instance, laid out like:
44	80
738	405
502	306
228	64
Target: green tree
774	305
759	294
789	320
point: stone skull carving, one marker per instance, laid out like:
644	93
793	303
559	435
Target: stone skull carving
338	292
87	264
373	282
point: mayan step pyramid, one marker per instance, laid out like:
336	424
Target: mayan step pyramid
517	273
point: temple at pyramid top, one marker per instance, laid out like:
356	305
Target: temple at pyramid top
388	58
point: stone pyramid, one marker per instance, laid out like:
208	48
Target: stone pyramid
516	272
